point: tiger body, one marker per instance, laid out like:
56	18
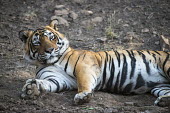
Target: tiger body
122	71
64	68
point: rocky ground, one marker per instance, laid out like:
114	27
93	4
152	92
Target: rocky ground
88	24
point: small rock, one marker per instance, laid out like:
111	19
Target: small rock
85	22
102	39
157	43
135	23
61	21
110	110
126	25
145	30
73	15
97	19
130	33
147	111
86	12
61	12
60	6
154	32
129	103
54	17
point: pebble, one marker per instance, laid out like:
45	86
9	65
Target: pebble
157	43
85	22
73	15
61	21
145	30
126	25
86	12
110	110
102	39
59	6
61	12
97	19
129	103
92	21
146	111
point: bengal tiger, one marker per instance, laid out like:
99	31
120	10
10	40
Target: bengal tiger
62	68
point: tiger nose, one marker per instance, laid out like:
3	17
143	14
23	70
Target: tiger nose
49	50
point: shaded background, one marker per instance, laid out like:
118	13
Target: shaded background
88	24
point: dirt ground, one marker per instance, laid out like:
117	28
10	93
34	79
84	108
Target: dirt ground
98	25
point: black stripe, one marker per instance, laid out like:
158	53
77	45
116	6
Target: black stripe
133	63
151	84
40	70
98	86
116	86
44	72
127	88
100	57
84	55
33	52
124	71
49	76
50	88
109	61
64	57
160	92
56	83
139	82
65	68
167	57
168	72
145	62
153	90
163	85
118	57
106	55
148	52
157	52
65	87
166	93
163	75
104	70
75	66
154	56
110	81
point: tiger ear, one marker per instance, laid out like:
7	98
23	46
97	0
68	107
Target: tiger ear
53	24
24	35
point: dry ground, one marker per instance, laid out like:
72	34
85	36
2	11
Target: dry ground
124	24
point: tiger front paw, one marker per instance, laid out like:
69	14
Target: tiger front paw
82	97
163	101
31	90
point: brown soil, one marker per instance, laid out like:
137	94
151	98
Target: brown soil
130	24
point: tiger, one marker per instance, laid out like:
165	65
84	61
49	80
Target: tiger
62	68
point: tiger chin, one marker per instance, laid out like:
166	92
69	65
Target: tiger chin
62	68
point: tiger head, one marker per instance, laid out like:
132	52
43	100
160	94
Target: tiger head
43	46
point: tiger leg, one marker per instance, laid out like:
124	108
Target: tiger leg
163	93
86	84
49	79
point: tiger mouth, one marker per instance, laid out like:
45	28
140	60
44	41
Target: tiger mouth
50	60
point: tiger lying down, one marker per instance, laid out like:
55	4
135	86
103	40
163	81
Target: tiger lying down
62	68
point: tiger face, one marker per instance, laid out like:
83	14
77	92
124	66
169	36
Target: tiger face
43	46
